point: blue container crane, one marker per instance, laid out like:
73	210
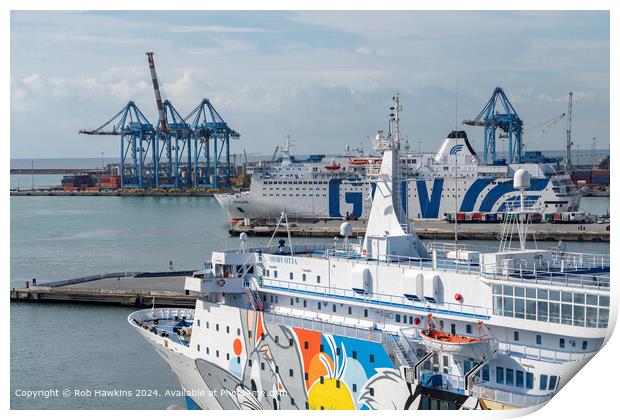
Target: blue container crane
499	113
208	127
138	142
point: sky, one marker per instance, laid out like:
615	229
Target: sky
324	78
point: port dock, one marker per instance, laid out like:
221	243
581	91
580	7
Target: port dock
433	230
143	289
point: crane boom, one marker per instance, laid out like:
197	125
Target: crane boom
160	106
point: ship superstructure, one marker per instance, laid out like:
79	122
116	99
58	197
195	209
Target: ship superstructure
386	322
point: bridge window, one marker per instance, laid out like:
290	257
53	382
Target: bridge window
543	382
516	336
538	339
510	376
584	345
529	380
499	375
519	375
397	317
553	381
562	343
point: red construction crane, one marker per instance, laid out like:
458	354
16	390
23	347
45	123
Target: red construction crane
160	106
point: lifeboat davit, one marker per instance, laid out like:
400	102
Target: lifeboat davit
483	347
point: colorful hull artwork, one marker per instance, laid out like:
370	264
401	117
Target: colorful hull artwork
288	368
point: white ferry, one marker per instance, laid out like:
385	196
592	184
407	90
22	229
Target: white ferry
386	323
338	187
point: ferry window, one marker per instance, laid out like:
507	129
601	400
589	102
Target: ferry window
579	298
322	348
397	317
250	334
290	276
198	322
366	313
334	308
354	354
307	405
453	329
519	375
543	382
411	319
305	303
291	301
207	324
543	308
584	345
529	380
337	383
508	306
198	347
207	350
275	274
591	317
554	295
468	329
322	380
291	341
349	310
510	376
516	336
562	343
372	392
538	339
578	315
303	277
318	304
306	376
337	351
603	301
567	297
250	362
318	279
485	372
519	291
530	293
217	353
372	358
217	327
277	338
267	273
354	387
306	345
292	401
262	366
227	356
276	298
603	318
519	308
227	329
238	331
567	314
553	381
543	294
277	369
554	312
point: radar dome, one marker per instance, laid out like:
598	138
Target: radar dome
243	236
521	179
346	229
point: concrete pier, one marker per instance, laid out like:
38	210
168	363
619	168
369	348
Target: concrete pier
435	230
126	289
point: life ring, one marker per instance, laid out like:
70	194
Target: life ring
221	282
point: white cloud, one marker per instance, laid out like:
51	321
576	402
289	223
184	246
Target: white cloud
218	29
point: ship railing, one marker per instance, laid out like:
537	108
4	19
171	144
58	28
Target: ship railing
129	292
542	354
508	397
548	277
323	326
375	298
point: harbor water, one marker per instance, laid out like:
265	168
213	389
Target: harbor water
79	347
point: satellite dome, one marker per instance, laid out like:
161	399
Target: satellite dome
521	179
346	229
243	236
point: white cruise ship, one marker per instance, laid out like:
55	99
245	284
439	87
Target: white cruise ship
339	188
387	323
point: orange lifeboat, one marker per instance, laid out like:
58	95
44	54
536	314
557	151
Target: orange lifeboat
333	167
435	339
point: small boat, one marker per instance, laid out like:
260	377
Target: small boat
332	167
482	347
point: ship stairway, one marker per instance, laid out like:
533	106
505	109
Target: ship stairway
254	298
403	350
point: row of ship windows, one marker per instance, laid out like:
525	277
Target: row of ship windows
296	195
553	306
290	276
297	189
516	378
296	182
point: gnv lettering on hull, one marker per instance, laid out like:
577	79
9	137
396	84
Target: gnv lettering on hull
429	209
